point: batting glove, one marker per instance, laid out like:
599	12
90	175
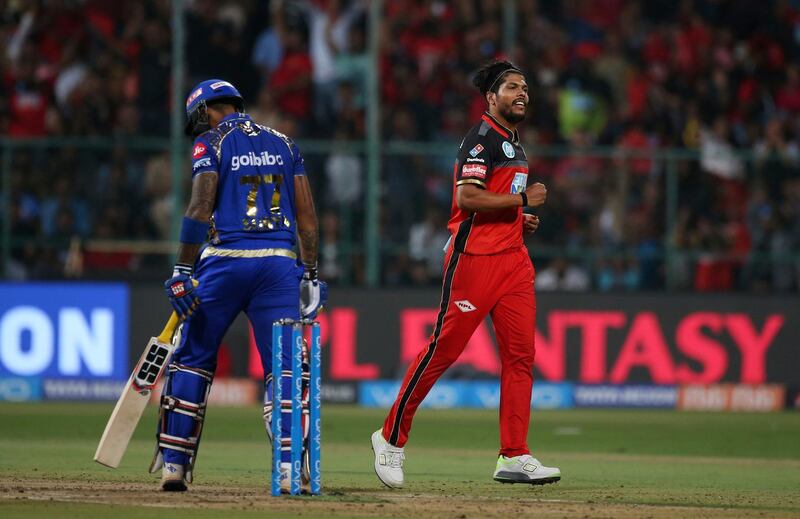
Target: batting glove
313	293
180	291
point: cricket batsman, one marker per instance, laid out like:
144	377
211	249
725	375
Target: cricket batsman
487	271
251	201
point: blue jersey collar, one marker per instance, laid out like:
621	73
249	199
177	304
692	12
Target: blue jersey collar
235	115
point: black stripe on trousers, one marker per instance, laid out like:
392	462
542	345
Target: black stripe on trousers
446	288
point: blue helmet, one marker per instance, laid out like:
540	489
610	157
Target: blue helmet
201	96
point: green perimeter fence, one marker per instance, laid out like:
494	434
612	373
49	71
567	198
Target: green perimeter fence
114	203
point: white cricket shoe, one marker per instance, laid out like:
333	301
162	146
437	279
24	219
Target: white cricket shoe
524	469
388	461
173	478
286	480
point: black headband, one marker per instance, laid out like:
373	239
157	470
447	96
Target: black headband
503	73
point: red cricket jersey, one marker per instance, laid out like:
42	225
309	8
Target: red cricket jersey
491	158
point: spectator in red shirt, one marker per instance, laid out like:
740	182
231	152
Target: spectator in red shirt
635	140
290	83
28	99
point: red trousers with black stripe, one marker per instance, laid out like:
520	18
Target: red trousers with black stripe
499	285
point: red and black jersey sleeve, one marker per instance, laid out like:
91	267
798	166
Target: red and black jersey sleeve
474	164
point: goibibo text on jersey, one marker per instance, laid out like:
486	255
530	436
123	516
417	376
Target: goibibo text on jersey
251	159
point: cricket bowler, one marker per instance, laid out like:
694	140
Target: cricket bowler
487	271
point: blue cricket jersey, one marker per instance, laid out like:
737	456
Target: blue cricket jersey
255	205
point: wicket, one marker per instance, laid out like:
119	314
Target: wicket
314	398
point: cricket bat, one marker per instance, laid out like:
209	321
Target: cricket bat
135	395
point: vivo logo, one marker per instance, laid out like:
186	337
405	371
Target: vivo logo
378	394
75	343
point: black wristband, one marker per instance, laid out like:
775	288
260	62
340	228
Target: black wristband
309	271
524	199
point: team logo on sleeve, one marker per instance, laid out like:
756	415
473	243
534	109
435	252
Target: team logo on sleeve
473	170
519	183
205	162
474	151
508	149
199	150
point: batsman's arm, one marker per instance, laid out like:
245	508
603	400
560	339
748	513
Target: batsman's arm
201	206
307	226
470	197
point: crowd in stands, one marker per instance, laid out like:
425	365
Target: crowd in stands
666	130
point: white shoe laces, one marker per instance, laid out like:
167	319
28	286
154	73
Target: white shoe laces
394	458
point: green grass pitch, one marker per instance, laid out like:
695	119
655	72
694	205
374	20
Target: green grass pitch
615	463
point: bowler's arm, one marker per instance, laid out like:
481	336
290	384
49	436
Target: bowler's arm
470	197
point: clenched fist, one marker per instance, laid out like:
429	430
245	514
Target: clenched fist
530	222
536	194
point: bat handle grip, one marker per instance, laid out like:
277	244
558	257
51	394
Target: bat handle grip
169	328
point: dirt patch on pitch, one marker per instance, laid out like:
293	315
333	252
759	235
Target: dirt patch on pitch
344	502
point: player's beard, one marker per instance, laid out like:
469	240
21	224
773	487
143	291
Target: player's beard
511	116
